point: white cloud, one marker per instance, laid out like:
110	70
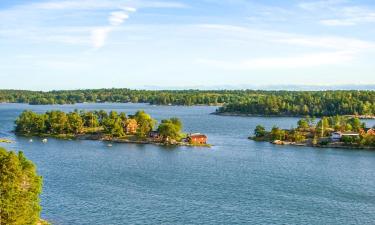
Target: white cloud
340	12
315	5
337	22
99	36
117	18
317	50
104	4
38	18
291	62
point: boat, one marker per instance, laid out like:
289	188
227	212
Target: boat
109	145
45	140
31	140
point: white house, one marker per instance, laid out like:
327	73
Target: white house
336	136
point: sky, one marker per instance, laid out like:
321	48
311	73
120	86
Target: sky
77	44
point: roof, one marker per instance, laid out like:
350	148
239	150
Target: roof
349	133
346	133
197	136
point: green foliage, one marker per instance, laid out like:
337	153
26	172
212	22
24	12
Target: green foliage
302	103
297	136
75	123
58	123
260	131
350	139
170	129
90	119
145	123
303	124
113	125
368	140
321	131
20	187
281	103
277	134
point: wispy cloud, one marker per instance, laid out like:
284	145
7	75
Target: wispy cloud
39	19
291	62
115	19
340	12
318	50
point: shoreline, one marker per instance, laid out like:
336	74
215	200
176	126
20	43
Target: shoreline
104	138
369	117
299	144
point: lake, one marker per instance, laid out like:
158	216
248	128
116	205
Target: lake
237	181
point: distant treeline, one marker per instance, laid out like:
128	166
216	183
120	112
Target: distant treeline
254	102
180	97
315	103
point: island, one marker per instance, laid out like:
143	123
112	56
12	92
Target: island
112	127
230	102
7	141
359	104
331	132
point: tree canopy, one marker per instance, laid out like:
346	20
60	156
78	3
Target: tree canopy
254	102
20	187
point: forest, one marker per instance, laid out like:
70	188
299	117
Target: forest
249	102
319	103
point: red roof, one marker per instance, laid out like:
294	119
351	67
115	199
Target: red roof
198	136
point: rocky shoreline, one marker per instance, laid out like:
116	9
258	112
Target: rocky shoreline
340	145
125	140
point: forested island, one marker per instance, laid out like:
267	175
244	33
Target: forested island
112	126
317	103
232	102
335	131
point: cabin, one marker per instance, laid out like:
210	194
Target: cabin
336	136
370	131
154	135
197	138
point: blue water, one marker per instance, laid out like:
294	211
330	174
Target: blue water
237	181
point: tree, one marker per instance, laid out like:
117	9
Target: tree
170	129
75	123
277	133
322	127
303	124
145	123
90	119
113	125
20	187
260	131
356	124
56	122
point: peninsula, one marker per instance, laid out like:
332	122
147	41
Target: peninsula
113	126
332	132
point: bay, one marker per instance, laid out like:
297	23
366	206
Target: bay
237	181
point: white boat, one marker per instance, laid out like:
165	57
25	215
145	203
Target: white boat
45	140
109	145
31	140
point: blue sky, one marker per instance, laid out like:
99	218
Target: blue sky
72	44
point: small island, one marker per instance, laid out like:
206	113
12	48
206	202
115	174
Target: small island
7	141
331	132
113	127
